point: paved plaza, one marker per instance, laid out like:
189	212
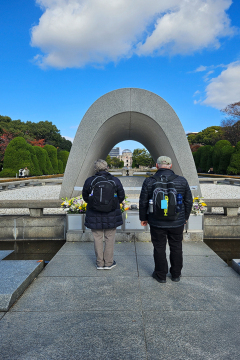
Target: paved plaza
74	311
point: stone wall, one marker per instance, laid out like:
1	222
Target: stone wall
221	226
25	227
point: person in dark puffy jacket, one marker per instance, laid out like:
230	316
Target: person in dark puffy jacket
161	230
103	224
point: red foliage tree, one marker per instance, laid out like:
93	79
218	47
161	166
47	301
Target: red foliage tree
36	142
5	139
195	147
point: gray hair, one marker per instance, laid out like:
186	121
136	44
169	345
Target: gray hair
100	164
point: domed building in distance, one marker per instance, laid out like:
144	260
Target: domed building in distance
126	157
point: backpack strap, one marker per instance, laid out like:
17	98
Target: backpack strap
100	178
172	177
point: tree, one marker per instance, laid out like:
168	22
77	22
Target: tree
5	139
17	155
225	156
63	156
195	147
108	160
191	139
217	154
52	153
31	131
234	165
38	143
205	153
116	163
232	110
141	157
231	124
60	166
210	158
197	158
42	159
209	136
35	170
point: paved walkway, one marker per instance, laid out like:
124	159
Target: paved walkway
73	311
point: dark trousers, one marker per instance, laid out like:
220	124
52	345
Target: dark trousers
159	238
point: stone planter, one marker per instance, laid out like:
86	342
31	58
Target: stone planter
75	221
195	222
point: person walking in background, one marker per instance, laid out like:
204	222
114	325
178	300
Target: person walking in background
165	204
103	194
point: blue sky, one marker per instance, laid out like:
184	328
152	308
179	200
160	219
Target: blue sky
59	56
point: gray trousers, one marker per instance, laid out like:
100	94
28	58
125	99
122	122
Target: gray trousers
104	255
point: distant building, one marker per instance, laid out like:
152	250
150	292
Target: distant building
126	157
115	152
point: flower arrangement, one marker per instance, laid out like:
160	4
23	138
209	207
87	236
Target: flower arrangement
198	206
123	205
74	206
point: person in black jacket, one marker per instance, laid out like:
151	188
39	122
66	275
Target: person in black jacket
103	224
162	229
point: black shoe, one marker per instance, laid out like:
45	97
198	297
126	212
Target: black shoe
175	279
154	275
111	266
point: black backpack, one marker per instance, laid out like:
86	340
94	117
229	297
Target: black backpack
103	195
165	198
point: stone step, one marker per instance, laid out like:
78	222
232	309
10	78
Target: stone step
16	276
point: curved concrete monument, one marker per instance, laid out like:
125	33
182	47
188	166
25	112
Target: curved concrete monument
128	114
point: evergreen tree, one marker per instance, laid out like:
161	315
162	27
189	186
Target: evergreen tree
42	159
217	153
234	166
18	155
205	153
60	166
197	158
225	157
210	159
52	153
49	168
63	156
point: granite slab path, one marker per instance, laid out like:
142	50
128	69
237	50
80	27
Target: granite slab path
74	311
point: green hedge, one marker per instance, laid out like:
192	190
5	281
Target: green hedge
205	154
52	153
225	156
18	155
217	153
60	166
63	156
234	166
49	168
197	157
42	159
35	170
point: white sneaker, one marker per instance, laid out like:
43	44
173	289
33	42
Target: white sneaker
111	266
100	267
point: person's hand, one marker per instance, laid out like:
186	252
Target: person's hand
144	223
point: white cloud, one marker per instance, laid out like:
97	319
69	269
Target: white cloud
68	138
201	68
73	33
196	93
224	89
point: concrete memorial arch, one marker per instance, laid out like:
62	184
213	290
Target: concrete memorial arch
128	114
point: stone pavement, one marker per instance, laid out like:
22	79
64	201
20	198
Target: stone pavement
74	311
